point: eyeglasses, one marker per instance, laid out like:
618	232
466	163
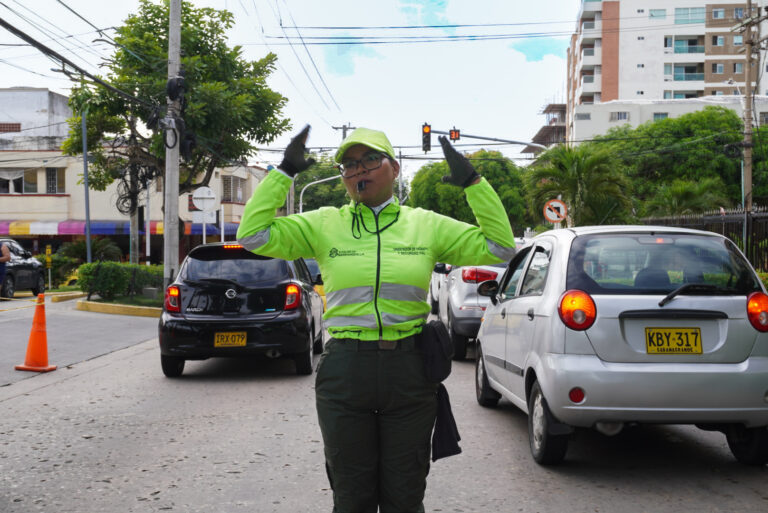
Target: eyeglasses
369	162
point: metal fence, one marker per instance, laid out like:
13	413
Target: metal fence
748	231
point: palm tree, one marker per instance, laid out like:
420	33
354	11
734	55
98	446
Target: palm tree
682	197
585	178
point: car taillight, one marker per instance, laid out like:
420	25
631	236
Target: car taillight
172	299
476	275
757	310
292	297
577	309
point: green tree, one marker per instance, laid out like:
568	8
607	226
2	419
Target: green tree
429	192
682	197
586	178
325	194
228	103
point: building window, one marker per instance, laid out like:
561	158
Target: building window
738	40
660	115
232	189
640	11
54	180
657	14
9	127
619	116
718	14
668	41
641	92
763	118
641	38
718	93
718	68
641	65
738	67
685	15
667	95
667	69
738	13
30	181
583	116
718	41
598	70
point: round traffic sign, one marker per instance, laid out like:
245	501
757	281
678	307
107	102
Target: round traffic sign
204	198
555	211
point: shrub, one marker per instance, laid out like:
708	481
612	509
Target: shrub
107	279
61	267
140	276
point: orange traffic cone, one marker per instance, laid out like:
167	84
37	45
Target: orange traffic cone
37	347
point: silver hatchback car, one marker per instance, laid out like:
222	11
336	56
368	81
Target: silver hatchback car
604	326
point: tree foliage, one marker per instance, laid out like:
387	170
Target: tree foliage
429	192
682	197
586	178
325	194
228	103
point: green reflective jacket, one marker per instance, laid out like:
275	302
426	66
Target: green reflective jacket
376	269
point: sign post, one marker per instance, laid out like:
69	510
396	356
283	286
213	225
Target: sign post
205	199
48	264
555	211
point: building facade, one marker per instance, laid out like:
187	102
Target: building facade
655	50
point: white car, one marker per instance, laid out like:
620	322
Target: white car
597	327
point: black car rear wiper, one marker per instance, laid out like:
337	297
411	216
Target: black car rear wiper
219	280
695	287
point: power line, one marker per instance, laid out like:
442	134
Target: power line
22	68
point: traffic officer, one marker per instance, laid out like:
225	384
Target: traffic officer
375	407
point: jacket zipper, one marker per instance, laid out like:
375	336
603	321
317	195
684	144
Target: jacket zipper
378	274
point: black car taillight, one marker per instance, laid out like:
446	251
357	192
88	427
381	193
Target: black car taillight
292	297
172	299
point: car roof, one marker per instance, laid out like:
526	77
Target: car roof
570	233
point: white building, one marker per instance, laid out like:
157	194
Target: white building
42	201
654	50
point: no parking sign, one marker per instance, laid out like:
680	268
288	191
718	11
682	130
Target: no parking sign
555	211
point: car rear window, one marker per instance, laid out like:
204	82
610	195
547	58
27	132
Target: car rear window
653	263
237	265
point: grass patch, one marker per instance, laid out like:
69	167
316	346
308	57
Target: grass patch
132	301
65	288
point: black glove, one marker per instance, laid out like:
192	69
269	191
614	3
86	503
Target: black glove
462	172
294	161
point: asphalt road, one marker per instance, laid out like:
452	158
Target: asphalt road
73	336
113	434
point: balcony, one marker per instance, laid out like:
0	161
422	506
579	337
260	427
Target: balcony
591	30
591	84
689	49
591	6
591	57
36	207
688	77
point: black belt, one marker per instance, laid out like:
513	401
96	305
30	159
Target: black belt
353	344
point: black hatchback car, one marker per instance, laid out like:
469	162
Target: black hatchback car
227	301
23	271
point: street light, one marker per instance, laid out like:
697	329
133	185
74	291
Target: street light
301	194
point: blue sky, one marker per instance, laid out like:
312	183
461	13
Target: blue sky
536	49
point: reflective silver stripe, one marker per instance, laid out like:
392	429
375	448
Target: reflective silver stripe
363	321
399	292
256	240
389	319
500	251
349	296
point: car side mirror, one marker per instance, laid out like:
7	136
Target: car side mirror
441	269
489	289
318	280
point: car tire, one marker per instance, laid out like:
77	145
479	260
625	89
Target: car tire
317	343
434	306
9	286
40	287
303	362
546	448
486	396
459	341
748	445
173	366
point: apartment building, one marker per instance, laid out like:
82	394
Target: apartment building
42	199
626	50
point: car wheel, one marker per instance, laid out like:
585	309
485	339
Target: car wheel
486	396
9	286
317	343
173	366
459	341
303	362
40	287
434	306
748	445
546	448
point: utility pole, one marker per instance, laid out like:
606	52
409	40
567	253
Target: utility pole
344	129
171	181
85	183
748	109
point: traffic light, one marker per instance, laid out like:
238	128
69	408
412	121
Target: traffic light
426	137
454	134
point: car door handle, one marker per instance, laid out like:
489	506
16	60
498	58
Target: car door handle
503	313
530	314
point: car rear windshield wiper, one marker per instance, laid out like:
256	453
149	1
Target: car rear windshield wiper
219	280
695	287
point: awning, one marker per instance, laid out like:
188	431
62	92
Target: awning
72	227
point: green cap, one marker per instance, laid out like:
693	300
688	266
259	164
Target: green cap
367	137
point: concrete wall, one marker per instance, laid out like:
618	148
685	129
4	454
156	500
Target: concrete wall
34	108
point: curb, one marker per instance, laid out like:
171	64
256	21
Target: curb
139	311
66	296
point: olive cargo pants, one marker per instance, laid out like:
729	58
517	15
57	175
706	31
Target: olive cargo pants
376	412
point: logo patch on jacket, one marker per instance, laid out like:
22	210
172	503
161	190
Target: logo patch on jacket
410	250
335	252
